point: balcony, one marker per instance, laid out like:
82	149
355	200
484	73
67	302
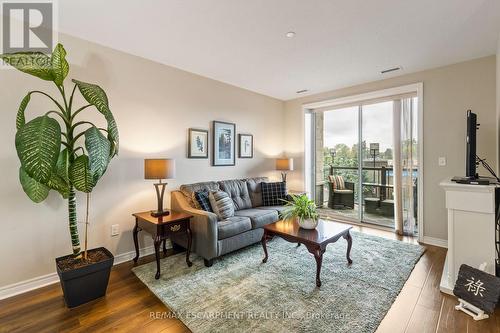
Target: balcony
376	199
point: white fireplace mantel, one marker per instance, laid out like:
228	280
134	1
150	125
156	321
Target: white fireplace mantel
471	229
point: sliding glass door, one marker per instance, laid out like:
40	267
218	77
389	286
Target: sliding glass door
337	143
377	156
365	164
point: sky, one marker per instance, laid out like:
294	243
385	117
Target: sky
341	125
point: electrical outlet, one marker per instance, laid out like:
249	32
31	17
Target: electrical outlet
442	161
115	229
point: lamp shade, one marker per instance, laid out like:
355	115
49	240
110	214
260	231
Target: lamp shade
284	164
163	168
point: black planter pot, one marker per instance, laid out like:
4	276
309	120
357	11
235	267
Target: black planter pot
84	284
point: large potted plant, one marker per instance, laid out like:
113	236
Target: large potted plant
60	151
301	208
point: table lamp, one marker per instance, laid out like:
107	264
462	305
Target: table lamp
283	165
163	168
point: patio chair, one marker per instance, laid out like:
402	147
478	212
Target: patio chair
341	193
387	208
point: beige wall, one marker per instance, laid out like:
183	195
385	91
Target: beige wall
448	92
154	105
498	105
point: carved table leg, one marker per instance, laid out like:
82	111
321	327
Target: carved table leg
349	245
263	241
319	260
136	241
188	250
157	243
317	252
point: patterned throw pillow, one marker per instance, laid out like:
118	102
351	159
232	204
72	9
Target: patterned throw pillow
222	204
202	198
273	194
337	182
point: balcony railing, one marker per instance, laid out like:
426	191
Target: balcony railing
379	184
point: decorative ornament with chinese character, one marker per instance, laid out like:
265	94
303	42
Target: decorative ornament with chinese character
478	292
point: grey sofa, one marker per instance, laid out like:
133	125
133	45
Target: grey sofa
213	238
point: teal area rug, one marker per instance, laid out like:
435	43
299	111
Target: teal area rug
241	294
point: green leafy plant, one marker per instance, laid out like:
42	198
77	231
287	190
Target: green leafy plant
300	206
58	151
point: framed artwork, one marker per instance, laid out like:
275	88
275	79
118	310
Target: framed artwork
224	146
245	145
197	143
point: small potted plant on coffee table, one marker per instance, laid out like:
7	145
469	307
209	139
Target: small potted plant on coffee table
60	151
303	209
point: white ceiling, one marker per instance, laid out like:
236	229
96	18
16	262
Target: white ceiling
338	43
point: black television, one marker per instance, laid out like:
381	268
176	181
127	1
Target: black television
470	164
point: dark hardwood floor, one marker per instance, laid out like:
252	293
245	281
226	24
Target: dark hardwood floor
420	307
127	307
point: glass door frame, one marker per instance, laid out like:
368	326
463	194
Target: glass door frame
310	109
360	164
359	168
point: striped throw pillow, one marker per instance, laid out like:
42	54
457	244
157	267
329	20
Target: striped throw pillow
337	182
202	198
222	204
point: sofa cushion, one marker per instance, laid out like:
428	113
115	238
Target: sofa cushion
221	204
203	200
189	189
273	194
255	191
343	191
279	209
233	226
238	192
259	217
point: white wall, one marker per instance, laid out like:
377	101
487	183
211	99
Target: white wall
154	105
448	92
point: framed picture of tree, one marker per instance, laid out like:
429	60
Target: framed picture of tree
224	146
197	143
245	145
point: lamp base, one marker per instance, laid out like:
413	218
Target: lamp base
283	177
160	191
159	213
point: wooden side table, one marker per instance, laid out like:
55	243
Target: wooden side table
160	228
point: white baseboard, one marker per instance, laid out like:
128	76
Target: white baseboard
435	241
28	285
45	280
121	258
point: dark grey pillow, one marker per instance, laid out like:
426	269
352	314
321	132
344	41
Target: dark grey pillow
273	194
202	198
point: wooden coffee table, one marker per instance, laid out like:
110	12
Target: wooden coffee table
315	240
